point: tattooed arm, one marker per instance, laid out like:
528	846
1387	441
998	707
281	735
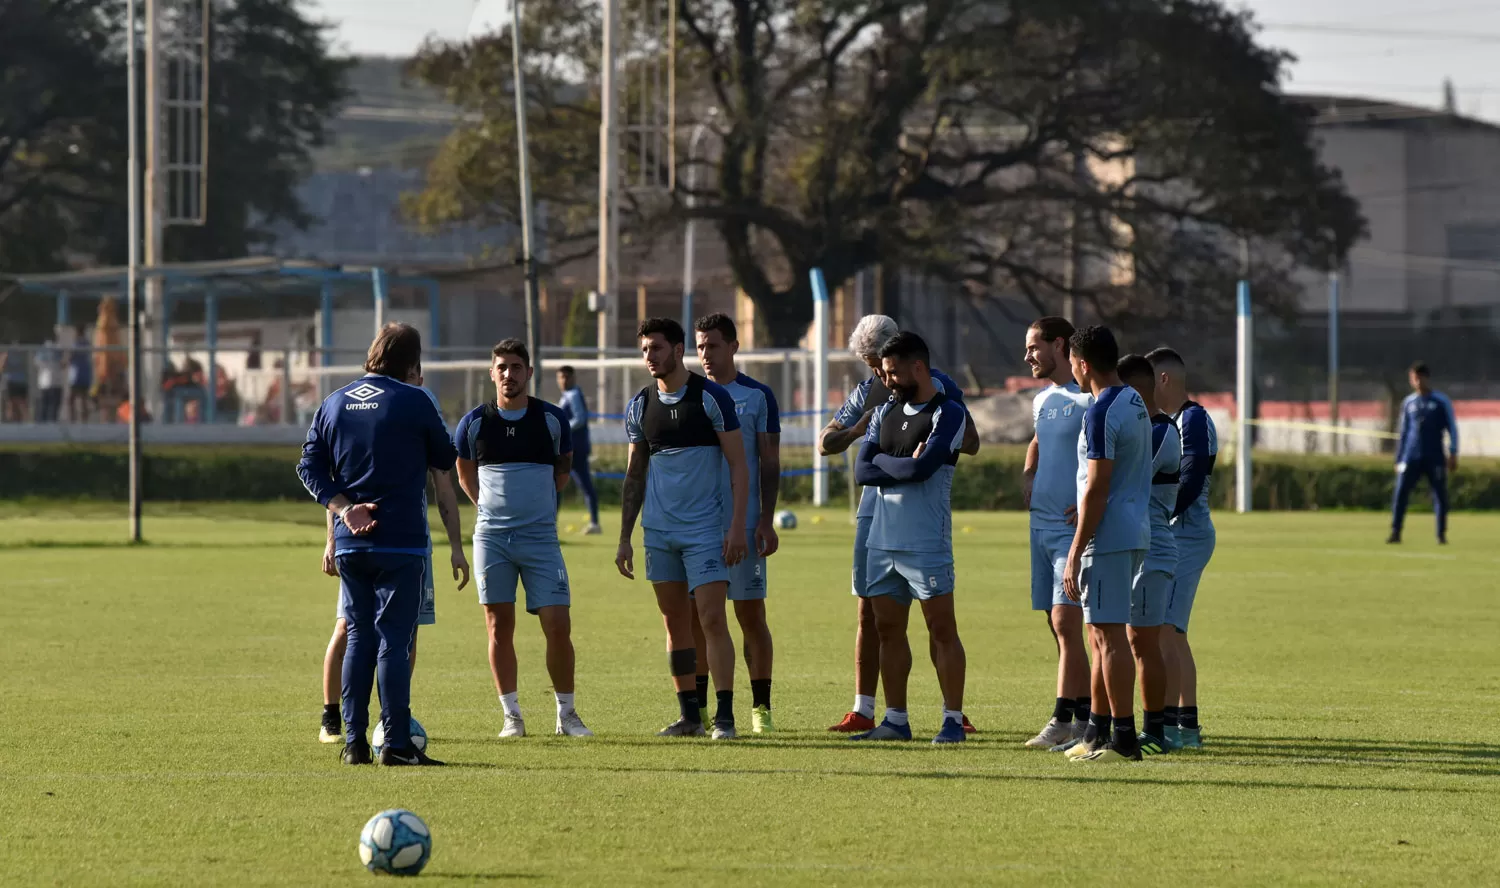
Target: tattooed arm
633	495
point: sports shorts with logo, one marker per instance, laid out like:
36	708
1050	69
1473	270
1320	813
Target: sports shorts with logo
503	558
694	557
747	580
1148	598
1193	555
1107	581
908	575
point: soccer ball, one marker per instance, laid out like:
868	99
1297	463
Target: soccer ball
395	842
418	736
786	520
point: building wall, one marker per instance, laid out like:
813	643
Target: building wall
1375	169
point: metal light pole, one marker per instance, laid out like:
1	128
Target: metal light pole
689	239
132	263
609	186
528	260
1333	358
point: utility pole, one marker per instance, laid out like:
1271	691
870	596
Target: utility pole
132	285
609	185
528	258
1073	271
1333	358
155	198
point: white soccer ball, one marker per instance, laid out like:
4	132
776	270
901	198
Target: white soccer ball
786	520
395	842
418	736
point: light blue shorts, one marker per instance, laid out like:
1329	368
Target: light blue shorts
503	559
861	554
1193	554
1049	557
695	558
426	613
908	575
1148	599
747	580
1108	584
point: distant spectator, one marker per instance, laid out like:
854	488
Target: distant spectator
80	378
226	395
13	375
252	358
110	364
49	382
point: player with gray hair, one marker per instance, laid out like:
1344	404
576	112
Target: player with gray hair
848	426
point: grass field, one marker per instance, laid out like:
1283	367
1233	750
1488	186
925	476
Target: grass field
161	708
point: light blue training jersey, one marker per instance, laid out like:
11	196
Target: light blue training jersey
918	516
1117	428
856	405
514	496
677	497
755	406
1166	460
577	410
1057	413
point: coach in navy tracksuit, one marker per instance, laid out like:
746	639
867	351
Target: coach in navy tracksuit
366	459
1425	416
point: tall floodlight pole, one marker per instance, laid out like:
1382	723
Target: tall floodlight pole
1244	382
528	259
1333	358
689	240
132	262
155	158
609	187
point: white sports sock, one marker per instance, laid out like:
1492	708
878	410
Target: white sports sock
896	717
865	706
564	704
510	704
951	714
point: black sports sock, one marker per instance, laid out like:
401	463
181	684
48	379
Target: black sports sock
1062	712
1097	730
1124	739
760	692
725	714
1156	726
332	717
1081	709
1169	716
687	701
702	692
1187	717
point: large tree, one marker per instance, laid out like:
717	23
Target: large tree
1004	145
273	84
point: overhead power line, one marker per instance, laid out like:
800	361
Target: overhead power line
1383	33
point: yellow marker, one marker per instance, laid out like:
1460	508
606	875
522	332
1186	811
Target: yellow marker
968	529
572	528
817	519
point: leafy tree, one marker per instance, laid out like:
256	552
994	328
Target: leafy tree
974	141
63	142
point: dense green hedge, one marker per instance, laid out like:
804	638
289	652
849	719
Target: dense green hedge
991	481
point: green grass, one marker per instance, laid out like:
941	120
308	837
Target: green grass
161	705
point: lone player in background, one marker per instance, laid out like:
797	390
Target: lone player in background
577	410
1110	543
1425	416
849	425
909	451
1050	487
514	457
366	458
681	429
1193	531
717	341
333	658
1153	585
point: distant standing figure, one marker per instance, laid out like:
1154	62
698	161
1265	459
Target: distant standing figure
1425	416
577	409
49	382
80	378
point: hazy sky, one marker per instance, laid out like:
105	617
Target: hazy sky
1389	49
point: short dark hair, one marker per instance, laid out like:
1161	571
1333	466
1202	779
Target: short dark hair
396	351
568	369
1097	345
721	322
906	346
1421	369
514	347
665	326
1164	356
1136	369
1053	329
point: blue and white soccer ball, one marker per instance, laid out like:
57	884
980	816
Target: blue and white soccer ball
786	520
395	842
418	736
